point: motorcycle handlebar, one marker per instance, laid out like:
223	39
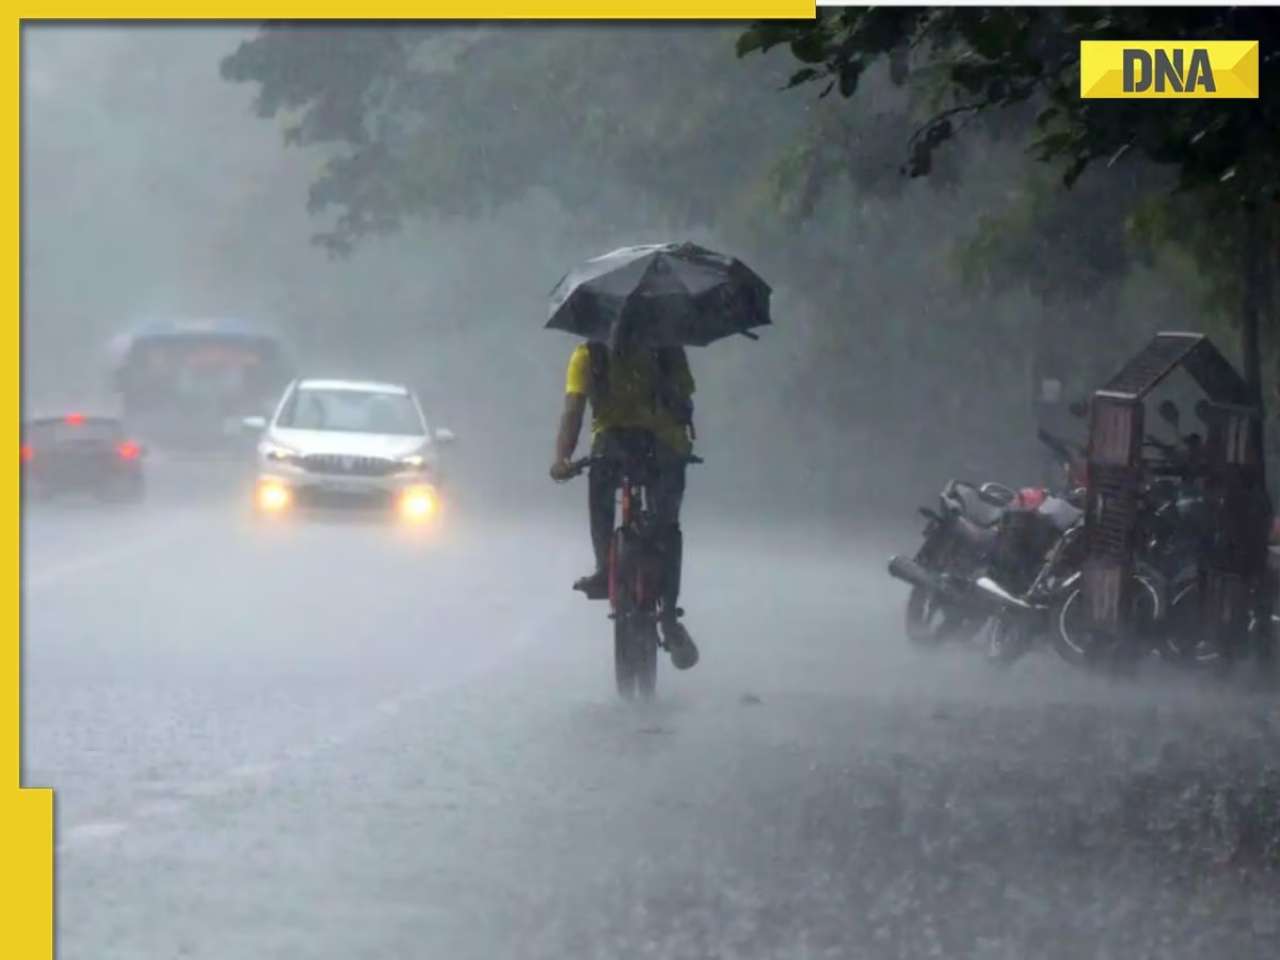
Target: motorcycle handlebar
1059	446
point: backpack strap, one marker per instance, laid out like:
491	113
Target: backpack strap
599	386
667	360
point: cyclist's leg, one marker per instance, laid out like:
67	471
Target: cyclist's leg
602	483
668	497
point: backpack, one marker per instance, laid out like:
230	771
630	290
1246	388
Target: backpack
664	395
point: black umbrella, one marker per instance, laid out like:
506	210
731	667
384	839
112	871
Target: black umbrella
660	295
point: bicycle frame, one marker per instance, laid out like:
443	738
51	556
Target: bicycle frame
632	519
637	568
635	522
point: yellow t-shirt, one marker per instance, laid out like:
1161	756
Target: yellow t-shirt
630	402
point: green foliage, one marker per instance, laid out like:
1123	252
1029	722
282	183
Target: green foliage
1224	155
662	127
997	59
567	108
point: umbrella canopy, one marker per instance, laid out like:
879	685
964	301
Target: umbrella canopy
660	295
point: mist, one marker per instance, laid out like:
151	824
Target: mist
151	191
345	738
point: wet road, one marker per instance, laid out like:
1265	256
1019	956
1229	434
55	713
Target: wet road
338	741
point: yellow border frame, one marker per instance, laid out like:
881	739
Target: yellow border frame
26	815
26	889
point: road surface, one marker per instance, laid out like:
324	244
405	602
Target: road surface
338	741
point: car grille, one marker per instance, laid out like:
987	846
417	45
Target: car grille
336	500
336	464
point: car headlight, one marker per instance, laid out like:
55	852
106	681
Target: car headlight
414	462
273	497
279	454
419	504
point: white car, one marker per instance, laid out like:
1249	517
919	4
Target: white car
339	443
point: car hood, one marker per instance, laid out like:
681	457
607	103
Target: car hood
391	446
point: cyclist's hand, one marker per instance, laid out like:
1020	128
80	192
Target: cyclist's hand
561	471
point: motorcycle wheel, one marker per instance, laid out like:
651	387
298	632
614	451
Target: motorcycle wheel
1007	639
931	621
1075	640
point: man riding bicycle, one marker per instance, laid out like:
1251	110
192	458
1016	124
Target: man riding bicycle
642	412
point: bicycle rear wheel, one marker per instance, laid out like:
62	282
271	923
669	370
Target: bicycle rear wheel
635	629
622	600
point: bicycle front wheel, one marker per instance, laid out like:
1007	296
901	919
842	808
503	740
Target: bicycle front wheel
624	674
644	657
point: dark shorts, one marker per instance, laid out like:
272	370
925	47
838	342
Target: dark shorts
662	467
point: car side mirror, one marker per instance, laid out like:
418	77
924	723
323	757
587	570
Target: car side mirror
444	435
254	424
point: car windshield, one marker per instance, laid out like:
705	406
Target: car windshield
352	411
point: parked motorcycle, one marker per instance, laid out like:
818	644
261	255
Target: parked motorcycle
1040	561
978	550
959	539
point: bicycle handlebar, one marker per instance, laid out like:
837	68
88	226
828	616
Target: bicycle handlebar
576	467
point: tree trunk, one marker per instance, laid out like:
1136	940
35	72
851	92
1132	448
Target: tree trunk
1256	293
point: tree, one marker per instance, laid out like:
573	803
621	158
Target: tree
1223	153
423	122
661	131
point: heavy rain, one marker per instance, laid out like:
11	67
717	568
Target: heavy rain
323	662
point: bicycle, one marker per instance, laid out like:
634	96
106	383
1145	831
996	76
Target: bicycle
636	568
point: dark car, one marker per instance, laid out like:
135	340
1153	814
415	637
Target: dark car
81	454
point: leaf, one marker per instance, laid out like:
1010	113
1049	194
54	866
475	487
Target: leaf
759	37
921	162
810	46
1074	170
849	77
802	76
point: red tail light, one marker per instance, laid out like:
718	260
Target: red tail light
129	450
74	419
27	453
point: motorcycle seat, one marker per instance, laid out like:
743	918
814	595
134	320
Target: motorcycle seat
976	509
981	537
1061	513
